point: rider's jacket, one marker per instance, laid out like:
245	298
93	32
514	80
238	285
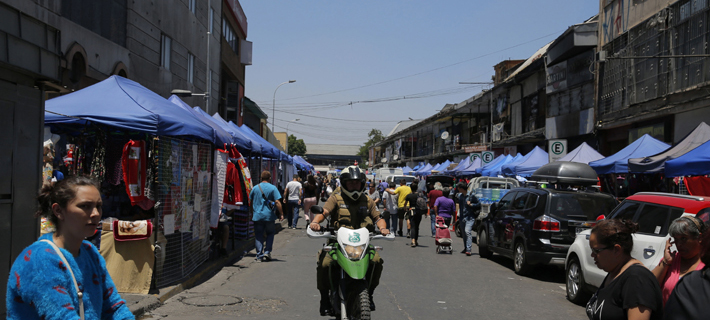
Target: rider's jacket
351	214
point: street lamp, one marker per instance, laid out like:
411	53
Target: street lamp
273	106
289	123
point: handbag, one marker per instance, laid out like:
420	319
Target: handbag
64	260
268	202
132	230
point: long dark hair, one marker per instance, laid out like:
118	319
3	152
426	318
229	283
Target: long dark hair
61	193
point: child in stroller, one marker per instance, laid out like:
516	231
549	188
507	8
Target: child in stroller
443	236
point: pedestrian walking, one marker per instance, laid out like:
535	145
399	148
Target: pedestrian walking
416	205
373	194
61	275
402	191
264	199
292	196
629	290
689	299
468	207
310	192
445	207
434	194
390	212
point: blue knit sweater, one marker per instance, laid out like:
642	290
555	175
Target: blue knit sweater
41	287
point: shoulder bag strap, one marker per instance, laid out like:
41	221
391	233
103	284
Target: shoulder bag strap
73	278
262	192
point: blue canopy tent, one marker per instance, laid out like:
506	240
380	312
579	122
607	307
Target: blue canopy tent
656	163
124	104
222	137
619	162
424	170
497	169
462	164
582	154
406	170
694	163
240	140
525	168
442	166
495	161
470	169
303	162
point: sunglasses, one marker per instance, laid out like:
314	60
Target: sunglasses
597	251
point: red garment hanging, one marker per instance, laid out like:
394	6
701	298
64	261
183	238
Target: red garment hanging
698	186
134	176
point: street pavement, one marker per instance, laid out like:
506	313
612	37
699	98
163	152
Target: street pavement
416	283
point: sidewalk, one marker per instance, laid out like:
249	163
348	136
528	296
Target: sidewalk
140	304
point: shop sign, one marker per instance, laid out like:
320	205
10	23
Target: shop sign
558	149
557	77
472	149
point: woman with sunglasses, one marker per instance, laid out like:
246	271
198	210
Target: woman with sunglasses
630	290
685	232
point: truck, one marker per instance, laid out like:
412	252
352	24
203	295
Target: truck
383	173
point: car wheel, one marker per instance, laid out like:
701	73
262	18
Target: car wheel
575	283
482	241
520	263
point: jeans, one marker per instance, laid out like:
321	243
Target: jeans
467	223
294	206
392	221
261	227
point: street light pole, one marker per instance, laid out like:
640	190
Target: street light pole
289	123
273	106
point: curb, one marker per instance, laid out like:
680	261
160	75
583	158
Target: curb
145	303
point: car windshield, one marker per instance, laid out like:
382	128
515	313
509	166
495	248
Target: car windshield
580	206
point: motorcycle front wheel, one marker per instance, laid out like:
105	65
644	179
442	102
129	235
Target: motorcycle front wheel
359	304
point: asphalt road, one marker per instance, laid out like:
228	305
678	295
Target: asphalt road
417	283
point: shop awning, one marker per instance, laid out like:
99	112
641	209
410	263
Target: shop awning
656	163
124	104
222	137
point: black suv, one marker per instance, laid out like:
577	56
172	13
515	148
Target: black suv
537	225
446	181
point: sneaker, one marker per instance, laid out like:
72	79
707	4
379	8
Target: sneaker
399	233
468	253
267	257
325	308
258	259
372	304
463	251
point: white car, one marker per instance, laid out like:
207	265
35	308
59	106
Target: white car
654	213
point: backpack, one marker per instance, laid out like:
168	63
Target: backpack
421	204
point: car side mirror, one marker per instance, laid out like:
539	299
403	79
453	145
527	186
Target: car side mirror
317	209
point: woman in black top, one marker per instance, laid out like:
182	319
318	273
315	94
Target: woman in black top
415	217
630	290
310	192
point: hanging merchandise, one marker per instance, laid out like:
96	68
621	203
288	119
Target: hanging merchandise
233	187
134	173
244	168
69	158
218	185
98	164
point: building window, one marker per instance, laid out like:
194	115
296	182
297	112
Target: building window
191	4
165	48
231	36
211	22
190	67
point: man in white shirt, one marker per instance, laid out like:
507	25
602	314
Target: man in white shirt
292	196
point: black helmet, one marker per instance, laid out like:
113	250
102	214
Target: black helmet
352	173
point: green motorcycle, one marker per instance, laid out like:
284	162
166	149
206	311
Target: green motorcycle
349	281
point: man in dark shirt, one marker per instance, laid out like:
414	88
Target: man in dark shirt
468	204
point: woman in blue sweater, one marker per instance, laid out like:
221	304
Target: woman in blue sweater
41	285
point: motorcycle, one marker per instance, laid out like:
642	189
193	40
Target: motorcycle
352	252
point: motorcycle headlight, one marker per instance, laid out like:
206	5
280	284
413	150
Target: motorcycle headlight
354	252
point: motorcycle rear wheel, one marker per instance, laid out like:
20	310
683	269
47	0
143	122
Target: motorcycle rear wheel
359	305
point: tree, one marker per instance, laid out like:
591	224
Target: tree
375	137
296	147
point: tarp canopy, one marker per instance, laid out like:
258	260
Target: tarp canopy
462	164
406	170
619	162
470	169
268	149
442	166
222	137
124	104
495	161
240	139
531	162
694	163
302	161
582	154
656	163
495	170
424	170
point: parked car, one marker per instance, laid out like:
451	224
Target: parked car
538	225
654	213
396	178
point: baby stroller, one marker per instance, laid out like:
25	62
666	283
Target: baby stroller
443	236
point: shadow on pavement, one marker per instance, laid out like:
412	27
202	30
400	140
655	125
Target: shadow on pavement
545	273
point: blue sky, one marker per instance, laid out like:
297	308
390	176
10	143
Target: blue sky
345	53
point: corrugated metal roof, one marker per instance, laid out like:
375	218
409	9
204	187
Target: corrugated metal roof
402	125
537	55
332	149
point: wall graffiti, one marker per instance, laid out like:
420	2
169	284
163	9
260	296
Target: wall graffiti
615	20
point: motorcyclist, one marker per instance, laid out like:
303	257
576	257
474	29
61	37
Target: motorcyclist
350	208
